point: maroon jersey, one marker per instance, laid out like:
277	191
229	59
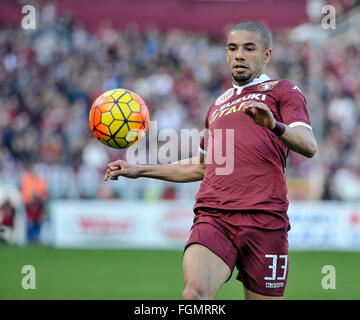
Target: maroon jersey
252	175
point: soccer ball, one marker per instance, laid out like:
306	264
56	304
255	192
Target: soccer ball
119	118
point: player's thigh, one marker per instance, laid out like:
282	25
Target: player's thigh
251	295
204	271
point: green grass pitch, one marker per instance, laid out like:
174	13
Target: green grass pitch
144	275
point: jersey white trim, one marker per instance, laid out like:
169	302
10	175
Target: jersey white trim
202	151
258	80
299	123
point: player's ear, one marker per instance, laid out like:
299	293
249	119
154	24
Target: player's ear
267	55
226	54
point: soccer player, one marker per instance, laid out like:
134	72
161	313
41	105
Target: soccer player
241	216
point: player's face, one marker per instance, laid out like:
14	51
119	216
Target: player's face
246	56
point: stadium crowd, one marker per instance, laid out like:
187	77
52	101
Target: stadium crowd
49	78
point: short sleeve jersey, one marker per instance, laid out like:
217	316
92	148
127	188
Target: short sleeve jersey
245	162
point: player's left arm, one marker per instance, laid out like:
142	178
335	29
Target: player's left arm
297	138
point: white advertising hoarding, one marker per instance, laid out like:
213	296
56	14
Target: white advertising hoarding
166	224
327	225
120	224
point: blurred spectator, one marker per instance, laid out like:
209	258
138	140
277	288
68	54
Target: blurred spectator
7	214
169	192
34	192
10	203
346	181
7	217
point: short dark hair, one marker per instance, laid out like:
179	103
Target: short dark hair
254	26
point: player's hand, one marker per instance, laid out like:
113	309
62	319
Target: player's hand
260	113
120	168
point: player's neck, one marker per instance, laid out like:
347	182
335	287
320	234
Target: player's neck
256	78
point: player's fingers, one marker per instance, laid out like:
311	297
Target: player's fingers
107	175
113	168
115	164
261	106
117	173
247	108
253	104
250	111
110	166
247	103
255	110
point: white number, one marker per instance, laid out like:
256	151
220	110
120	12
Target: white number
273	266
284	266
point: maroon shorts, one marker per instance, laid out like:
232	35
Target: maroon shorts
255	242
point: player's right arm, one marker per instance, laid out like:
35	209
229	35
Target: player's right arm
187	170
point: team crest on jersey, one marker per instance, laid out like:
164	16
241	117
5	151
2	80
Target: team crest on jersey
224	97
267	85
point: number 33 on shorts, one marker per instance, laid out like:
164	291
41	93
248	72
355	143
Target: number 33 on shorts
278	266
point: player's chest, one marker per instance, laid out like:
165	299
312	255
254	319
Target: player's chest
229	114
